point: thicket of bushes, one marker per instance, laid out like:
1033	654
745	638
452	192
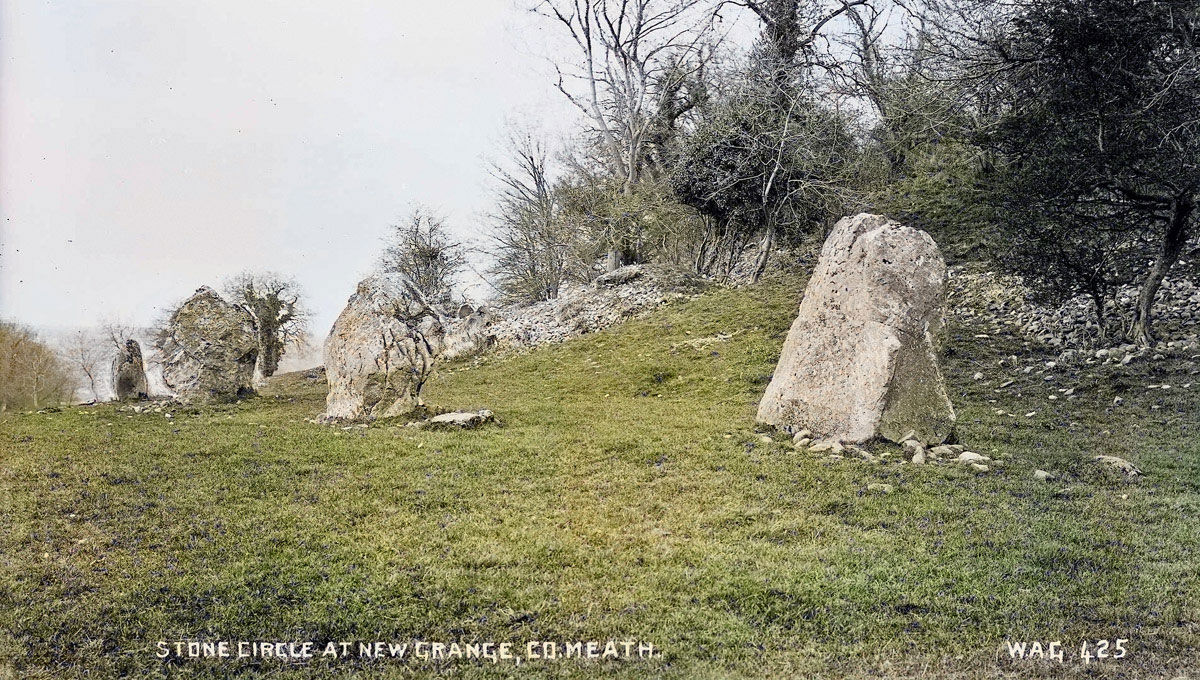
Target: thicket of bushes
1056	138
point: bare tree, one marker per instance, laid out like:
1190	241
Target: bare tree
531	245
635	75
420	247
86	352
280	318
117	332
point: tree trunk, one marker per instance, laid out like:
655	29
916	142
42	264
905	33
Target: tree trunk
614	261
764	252
1098	303
1172	244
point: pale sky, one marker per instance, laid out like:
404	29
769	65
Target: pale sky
148	147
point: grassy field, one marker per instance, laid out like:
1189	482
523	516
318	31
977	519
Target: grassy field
626	495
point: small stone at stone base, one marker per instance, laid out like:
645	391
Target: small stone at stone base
802	434
802	443
979	467
462	419
821	446
970	457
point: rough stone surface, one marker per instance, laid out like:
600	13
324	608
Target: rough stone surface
861	358
209	348
129	373
381	350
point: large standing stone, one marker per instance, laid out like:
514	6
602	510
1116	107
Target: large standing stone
861	357
209	348
129	372
381	350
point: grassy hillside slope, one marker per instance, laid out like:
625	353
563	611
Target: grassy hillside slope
627	495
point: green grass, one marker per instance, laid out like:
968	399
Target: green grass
627	494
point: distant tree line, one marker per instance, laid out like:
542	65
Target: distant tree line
32	375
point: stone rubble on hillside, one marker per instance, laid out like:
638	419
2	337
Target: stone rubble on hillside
1003	302
209	348
860	360
586	308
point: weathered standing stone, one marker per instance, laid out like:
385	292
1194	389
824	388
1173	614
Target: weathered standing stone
861	357
129	372
381	350
387	342
209	348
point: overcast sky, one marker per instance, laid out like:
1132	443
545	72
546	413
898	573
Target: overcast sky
148	147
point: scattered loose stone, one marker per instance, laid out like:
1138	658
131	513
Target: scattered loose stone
880	487
802	434
802	443
979	467
971	457
1042	476
465	420
1119	464
913	447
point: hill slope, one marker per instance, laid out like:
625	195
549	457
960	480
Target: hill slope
626	495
